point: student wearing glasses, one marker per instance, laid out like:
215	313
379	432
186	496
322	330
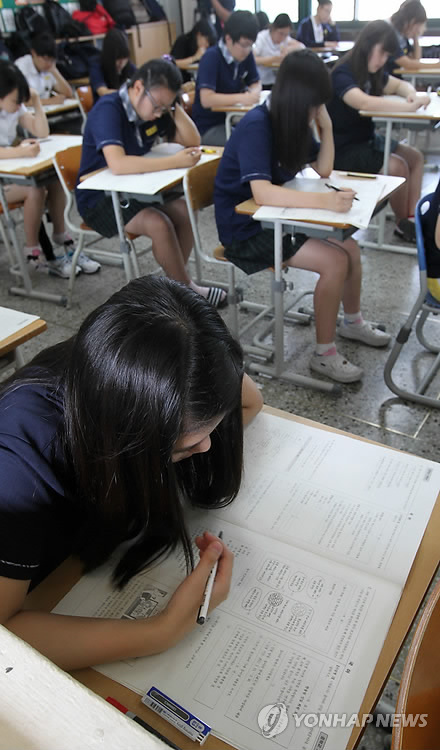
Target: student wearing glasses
227	75
121	128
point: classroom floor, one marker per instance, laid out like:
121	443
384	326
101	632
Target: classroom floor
367	409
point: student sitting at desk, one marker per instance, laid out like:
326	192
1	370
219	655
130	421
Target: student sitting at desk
14	90
40	70
106	439
227	75
319	30
112	67
271	45
189	48
121	128
409	22
267	148
359	83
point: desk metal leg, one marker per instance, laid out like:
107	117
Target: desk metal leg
124	244
228	124
20	268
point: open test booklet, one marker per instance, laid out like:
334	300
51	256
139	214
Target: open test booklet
324	532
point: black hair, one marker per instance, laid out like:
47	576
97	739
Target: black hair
12	78
160	72
88	6
411	11
241	24
44	45
204	28
302	83
282	21
376	32
114	47
262	20
152	363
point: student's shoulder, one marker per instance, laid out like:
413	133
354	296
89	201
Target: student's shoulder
23	62
108	106
257	120
212	56
30	412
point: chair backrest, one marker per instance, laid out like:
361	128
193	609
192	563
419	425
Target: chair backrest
67	166
420	684
85	96
199	184
423	204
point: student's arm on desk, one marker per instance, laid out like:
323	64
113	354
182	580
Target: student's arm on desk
121	163
410	102
61	86
36	123
76	642
251	400
186	131
267	194
210	98
326	156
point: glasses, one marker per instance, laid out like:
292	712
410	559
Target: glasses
158	107
247	45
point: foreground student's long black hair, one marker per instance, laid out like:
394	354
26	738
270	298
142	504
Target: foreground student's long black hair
151	363
376	32
302	83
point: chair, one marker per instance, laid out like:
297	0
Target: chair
66	165
85	99
419	691
424	306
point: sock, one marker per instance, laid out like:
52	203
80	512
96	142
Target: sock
62	239
33	251
353	319
326	350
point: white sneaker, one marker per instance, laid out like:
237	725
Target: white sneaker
37	263
367	333
86	264
62	267
336	367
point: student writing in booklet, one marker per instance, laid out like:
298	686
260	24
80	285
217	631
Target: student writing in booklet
106	439
360	83
121	128
40	70
227	76
14	91
409	23
109	69
271	45
267	148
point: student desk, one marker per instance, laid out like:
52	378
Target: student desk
423	73
333	229
340	49
47	595
237	110
427	118
9	345
328	57
31	171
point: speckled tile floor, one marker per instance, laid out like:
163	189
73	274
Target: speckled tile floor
367	409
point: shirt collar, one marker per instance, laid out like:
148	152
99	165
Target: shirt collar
126	103
225	52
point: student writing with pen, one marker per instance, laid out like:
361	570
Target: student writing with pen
268	147
107	439
227	76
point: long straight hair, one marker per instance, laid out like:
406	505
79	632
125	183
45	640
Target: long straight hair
302	84
411	11
114	47
152	363
376	32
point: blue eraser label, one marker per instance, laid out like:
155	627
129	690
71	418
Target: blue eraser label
176	714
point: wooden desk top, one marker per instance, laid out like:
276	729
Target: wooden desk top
24	334
47	595
341	48
36	166
422	71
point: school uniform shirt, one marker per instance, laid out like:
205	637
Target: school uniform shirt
314	35
113	120
248	155
429	221
405	48
265	47
9	124
37	517
184	47
43	83
228	5
349	127
219	72
96	74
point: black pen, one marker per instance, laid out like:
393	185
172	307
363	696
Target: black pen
338	189
141	722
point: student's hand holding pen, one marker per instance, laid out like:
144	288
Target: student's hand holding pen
188	157
250	97
340	200
418	100
29	147
180	615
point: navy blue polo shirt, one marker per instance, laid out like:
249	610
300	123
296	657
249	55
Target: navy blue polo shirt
405	48
248	155
223	78
429	221
228	5
349	127
37	517
108	124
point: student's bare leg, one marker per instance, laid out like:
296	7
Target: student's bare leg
158	226
351	297
56	202
34	198
331	262
414	160
399	200
178	213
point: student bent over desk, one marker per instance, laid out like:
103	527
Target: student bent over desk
267	148
120	129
